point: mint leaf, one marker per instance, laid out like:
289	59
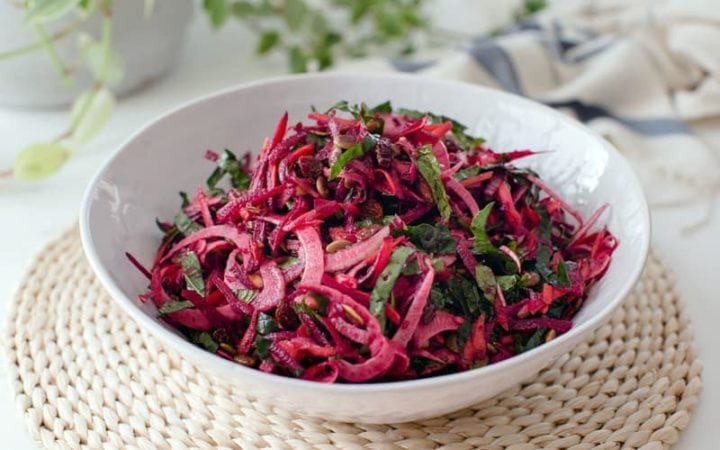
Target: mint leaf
385	283
203	339
246	295
429	168
537	338
345	157
172	306
192	272
482	243
228	164
186	225
466	173
266	324
382	108
485	279
562	277
507	282
262	346
432	238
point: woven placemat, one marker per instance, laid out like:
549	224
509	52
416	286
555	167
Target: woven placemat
86	376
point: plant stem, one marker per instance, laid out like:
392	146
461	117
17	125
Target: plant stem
106	39
84	108
52	53
58	35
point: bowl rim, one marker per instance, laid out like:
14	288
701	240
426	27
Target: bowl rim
205	359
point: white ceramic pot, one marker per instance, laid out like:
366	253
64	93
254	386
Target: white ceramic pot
148	46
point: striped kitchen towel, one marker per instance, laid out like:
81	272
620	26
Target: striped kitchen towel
637	72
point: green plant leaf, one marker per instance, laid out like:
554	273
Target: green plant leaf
217	11
40	160
295	13
298	60
268	40
89	114
105	64
533	6
243	9
48	10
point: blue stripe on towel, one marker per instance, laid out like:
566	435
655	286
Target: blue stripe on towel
409	66
586	112
498	63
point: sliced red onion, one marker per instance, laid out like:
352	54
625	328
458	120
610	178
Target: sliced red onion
349	256
313	255
455	186
229	232
273	287
383	357
441	322
409	324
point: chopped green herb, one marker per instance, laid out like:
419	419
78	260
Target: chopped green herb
464	174
482	242
262	346
432	238
429	167
266	324
203	339
246	295
385	107
172	306
185	199
412	268
192	272
507	282
439	298
466	297
562	275
485	279
345	157
537	338
381	292
289	262
228	164
544	254
186	225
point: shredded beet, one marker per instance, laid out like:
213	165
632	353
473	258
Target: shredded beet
374	245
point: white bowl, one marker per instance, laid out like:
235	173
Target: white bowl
141	181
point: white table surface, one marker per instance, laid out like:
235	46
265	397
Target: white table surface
31	214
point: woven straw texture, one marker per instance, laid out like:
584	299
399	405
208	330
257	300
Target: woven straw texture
86	376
